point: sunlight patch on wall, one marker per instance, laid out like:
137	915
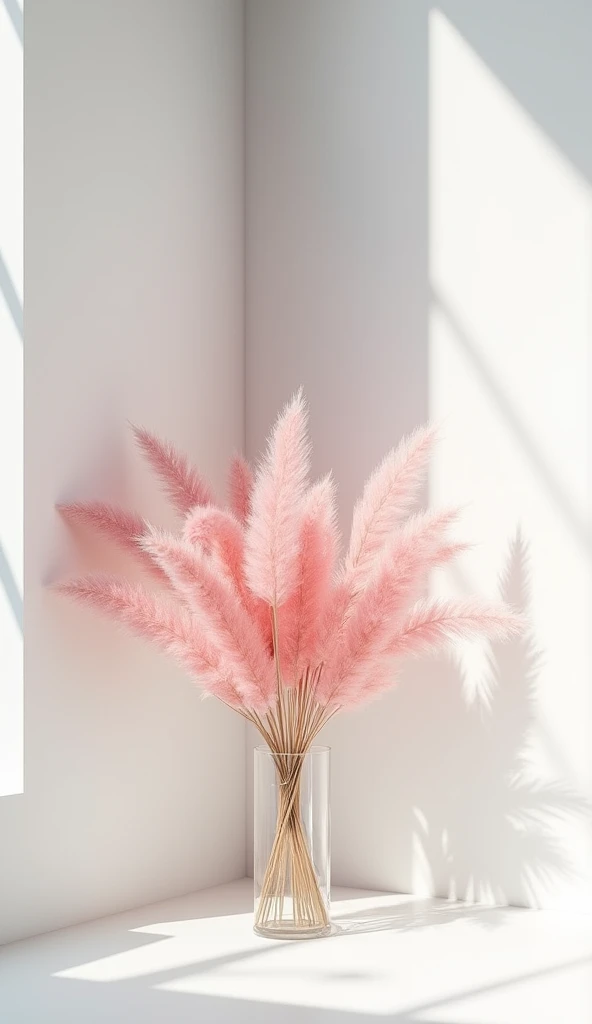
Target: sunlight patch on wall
11	401
510	276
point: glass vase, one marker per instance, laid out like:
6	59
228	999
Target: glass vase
292	843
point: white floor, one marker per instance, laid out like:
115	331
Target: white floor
391	958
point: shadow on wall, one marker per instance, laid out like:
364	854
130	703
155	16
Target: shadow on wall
491	829
468	807
487	822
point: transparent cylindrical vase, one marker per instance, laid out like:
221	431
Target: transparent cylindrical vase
292	843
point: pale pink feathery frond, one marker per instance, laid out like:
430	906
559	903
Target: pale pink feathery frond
382	676
271	553
434	622
424	536
171	628
122	527
446	553
428	627
332	623
387	497
183	484
369	621
240	488
300	616
218	607
219	534
216	530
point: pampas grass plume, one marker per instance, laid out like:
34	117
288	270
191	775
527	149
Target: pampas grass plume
256	605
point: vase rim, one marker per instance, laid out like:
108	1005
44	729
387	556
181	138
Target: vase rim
262	748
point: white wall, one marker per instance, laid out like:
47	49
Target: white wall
11	400
134	137
419	244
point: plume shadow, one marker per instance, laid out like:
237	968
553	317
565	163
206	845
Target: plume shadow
490	828
416	913
465	812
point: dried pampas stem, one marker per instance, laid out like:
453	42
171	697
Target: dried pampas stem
292	727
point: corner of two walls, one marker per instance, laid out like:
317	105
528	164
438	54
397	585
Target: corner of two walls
354	289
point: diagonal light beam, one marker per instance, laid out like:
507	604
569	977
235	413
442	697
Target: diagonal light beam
9	291
537	459
8	583
15	14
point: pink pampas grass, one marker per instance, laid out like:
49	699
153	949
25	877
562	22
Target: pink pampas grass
257	611
273	527
170	628
219	534
260	608
432	623
182	482
218	609
300	617
387	497
401	572
123	528
240	488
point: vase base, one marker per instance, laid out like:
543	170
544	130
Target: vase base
281	930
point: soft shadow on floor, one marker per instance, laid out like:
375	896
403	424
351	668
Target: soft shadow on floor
417	913
79	1002
142	965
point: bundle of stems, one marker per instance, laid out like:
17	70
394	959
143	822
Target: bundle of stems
290	731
